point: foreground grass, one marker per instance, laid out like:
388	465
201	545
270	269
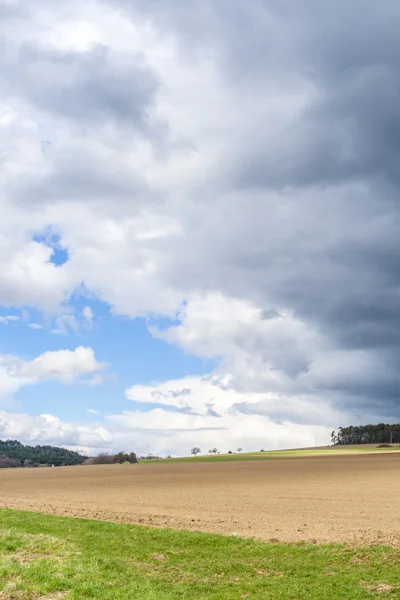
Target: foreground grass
51	558
275	454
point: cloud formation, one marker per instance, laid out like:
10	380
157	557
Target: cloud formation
232	167
65	366
48	429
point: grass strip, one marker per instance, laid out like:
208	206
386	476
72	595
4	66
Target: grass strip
60	558
278	454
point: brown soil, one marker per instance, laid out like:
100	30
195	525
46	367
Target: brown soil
353	499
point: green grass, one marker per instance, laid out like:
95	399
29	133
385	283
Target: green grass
51	558
277	454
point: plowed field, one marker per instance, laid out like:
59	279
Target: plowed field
352	499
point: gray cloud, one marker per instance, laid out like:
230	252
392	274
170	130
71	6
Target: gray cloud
298	207
171	393
314	200
347	56
83	86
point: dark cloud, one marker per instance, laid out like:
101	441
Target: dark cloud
347	55
77	177
301	208
314	199
83	86
349	126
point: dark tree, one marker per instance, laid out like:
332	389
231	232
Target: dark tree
123	457
382	433
43	455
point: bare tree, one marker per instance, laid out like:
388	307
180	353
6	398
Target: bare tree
9	463
109	459
195	451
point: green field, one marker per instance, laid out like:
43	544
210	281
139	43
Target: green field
53	558
274	454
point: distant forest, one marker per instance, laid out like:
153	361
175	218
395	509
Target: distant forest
14	454
382	433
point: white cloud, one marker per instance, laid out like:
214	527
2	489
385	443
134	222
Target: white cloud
159	432
218	189
27	277
66	323
215	412
48	429
8	319
257	347
97	379
176	433
63	365
92	411
88	314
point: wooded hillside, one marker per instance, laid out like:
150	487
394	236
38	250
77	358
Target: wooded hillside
14	454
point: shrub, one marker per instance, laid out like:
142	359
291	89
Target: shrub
9	463
30	464
110	459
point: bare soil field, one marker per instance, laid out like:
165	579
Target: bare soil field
354	499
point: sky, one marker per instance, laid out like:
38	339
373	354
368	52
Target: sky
199	222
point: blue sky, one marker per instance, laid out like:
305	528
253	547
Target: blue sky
198	222
120	341
127	344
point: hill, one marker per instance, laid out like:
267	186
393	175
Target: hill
15	454
281	454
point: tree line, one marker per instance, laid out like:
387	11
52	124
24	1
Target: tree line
383	433
112	459
13	454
